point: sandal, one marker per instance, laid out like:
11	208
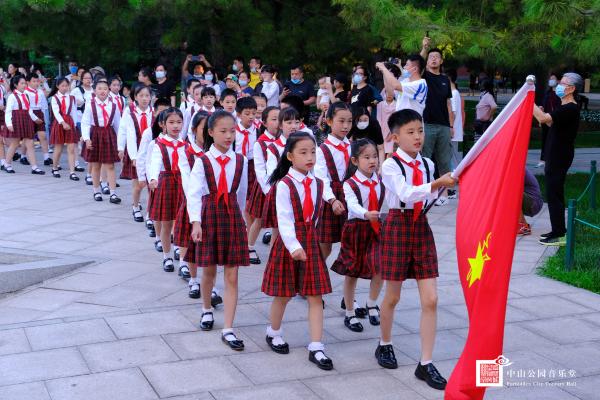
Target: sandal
168	265
208	324
38	171
234	343
254	257
73	176
105	189
98	196
184	272
114	199
194	292
158	246
137	216
55	173
88	179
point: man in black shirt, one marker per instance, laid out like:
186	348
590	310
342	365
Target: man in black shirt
559	152
297	86
438	116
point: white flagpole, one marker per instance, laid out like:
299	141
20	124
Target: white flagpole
496	125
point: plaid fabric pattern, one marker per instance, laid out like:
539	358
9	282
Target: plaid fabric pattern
269	215
58	135
251	174
407	250
129	171
331	225
2	125
182	230
194	253
224	237
23	126
256	201
104	140
168	193
285	277
40	115
150	198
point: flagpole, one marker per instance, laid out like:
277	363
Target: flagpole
495	127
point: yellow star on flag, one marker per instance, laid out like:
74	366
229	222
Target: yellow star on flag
478	262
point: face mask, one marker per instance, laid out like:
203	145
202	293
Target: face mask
356	79
362	125
73	70
295	81
243	82
160	74
208	77
253	69
198	76
560	90
406	74
552	82
234	67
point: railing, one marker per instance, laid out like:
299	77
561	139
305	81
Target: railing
590	190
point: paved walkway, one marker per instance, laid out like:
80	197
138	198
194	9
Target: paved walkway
123	329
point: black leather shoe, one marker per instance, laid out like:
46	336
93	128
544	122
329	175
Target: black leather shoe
168	265
176	254
152	233
194	292
9	169
105	189
358	311
373	319
79	169
431	376
254	259
215	299
324	363
235	344
16	157
24	161
278	348
73	177
546	235
386	357
89	181
184	272
267	238
207	325
48	161
98	196
137	216
353	326
158	246
38	171
115	199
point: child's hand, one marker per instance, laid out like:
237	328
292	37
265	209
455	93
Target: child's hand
121	154
88	144
196	231
39	121
299	255
337	207
153	184
10	128
142	184
447	180
133	162
372	215
66	126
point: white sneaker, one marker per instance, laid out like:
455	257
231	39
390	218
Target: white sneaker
540	164
442	201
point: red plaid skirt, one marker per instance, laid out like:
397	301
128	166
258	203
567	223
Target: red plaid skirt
167	197
58	134
40	115
23	126
128	171
407	250
182	231
269	215
224	237
104	146
285	277
331	225
251	174
194	253
2	125
359	253
150	199
256	200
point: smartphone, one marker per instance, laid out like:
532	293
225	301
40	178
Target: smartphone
328	80
195	58
427	34
393	60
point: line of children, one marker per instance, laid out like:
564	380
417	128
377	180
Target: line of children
216	200
64	131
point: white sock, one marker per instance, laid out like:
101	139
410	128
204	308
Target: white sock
112	192
382	343
350	313
23	156
371	303
426	362
225	331
96	189
183	264
250	248
215	291
273	333
34	167
372	311
136	208
166	255
194	281
317	346
46	156
3	162
207	317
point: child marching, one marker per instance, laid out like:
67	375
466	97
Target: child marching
63	131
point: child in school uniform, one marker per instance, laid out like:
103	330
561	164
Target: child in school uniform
143	159
182	231
2	124
245	137
257	193
228	101
99	124
114	86
407	249
164	178
83	94
296	265
216	200
63	131
135	120
333	158
359	253
39	105
261	104
19	117
192	108
187	98
292	100
208	98
288	121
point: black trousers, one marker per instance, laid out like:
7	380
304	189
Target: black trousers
555	194
545	129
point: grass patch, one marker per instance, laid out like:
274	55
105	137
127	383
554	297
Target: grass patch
585	272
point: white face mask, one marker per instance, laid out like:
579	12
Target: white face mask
362	125
160	74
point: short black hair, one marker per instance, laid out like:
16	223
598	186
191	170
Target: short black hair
30	76
400	118
240	59
245	103
298	67
436	50
162	101
258	60
294	101
228	92
208	91
191	81
418	59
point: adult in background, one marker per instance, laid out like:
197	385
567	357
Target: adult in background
485	109
164	87
550	103
560	150
438	116
254	64
297	86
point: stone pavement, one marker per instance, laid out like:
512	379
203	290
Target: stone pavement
122	329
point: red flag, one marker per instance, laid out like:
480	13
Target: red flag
491	179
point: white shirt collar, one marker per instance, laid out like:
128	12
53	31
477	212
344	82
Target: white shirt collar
337	141
267	134
216	153
195	147
241	127
106	102
298	176
408	158
139	111
361	177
